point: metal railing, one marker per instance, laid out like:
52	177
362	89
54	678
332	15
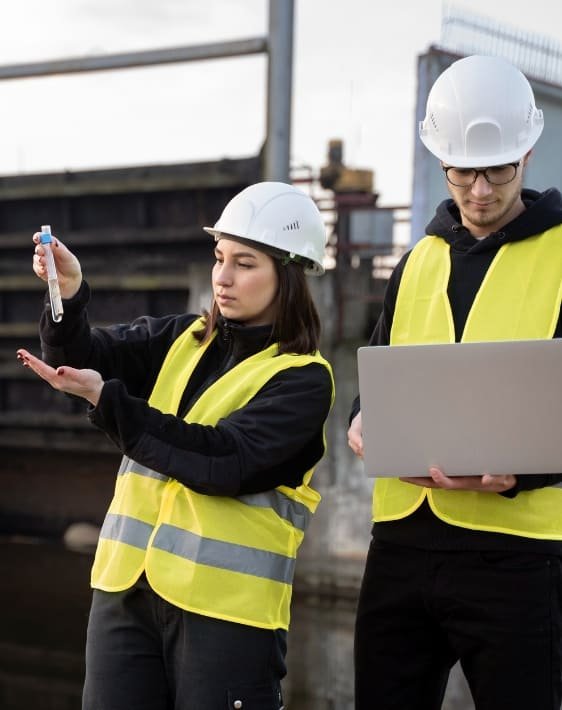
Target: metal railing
278	45
538	56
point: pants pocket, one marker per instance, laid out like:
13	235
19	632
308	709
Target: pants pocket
255	697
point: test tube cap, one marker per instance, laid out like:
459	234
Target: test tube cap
46	234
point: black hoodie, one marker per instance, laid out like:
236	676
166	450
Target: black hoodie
273	440
470	260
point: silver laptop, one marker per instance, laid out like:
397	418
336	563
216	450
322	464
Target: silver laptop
469	408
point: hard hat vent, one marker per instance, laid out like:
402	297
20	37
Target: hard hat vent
277	215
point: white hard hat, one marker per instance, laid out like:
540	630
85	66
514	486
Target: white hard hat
279	216
481	111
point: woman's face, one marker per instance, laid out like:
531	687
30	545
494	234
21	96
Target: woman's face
244	283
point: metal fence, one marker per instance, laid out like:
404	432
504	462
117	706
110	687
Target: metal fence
538	56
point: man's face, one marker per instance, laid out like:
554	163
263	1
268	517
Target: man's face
486	207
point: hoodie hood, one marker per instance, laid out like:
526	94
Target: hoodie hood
544	210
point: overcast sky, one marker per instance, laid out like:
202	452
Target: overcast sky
354	78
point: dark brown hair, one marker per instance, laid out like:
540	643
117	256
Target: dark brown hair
297	325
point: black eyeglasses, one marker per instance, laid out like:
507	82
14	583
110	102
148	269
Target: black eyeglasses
495	175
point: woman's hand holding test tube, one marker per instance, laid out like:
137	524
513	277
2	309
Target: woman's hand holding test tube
82	383
67	265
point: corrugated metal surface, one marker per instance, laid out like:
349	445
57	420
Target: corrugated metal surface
137	232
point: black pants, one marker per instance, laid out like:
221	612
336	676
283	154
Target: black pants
419	612
143	653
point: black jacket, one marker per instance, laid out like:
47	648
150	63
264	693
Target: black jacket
470	260
272	441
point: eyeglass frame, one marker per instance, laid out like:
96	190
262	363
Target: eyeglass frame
481	171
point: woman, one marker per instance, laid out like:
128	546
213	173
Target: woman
220	420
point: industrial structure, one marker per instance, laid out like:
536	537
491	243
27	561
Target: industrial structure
138	234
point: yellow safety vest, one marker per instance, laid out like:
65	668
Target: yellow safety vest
225	557
519	299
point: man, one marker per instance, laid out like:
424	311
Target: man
469	568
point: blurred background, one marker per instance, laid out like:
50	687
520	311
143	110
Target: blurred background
127	125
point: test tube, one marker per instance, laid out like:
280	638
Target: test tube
52	278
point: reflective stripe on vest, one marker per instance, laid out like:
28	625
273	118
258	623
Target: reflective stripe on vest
126	529
231	558
215	553
295	513
128	466
519	299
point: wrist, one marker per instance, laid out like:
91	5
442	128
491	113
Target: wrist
94	395
70	289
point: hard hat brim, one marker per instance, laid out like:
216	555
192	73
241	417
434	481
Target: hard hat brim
310	267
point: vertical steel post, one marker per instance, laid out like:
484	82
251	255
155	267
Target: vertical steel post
279	91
